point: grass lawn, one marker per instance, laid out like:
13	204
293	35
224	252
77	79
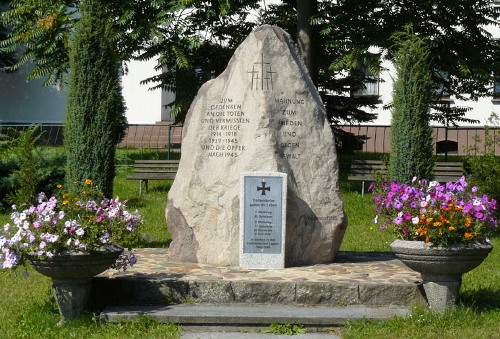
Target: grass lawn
27	309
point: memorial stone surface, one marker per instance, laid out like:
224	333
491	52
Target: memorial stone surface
262	113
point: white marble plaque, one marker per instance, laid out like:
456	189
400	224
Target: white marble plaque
262	219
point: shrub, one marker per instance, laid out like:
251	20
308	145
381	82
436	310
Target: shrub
95	118
411	143
26	169
481	162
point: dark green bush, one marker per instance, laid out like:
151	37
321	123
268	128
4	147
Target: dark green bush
482	164
49	170
411	141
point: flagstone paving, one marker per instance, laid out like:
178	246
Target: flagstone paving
372	267
354	278
205	297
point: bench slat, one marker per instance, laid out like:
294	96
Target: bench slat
365	170
145	170
152	176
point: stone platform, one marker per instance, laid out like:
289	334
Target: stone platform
366	278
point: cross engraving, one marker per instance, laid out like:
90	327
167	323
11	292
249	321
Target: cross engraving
263	188
262	75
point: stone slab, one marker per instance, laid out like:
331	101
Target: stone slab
263	219
250	315
372	279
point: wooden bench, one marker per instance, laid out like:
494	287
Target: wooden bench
145	170
368	170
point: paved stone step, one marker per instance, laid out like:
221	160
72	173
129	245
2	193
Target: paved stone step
239	316
369	279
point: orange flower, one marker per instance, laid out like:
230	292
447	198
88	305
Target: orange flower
468	222
438	223
59	186
468	235
88	181
427	239
65	202
451	228
428	220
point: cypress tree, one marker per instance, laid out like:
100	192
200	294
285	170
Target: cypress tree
411	140
95	119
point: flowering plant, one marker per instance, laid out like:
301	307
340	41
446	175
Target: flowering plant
442	214
70	220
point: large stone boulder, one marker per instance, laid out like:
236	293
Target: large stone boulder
263	113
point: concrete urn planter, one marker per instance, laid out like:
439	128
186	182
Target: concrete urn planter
441	268
72	274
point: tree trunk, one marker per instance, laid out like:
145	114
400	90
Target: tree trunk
305	34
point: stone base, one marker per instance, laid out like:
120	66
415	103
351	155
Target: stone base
442	292
71	296
371	279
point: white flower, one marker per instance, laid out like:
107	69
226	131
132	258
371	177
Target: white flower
80	232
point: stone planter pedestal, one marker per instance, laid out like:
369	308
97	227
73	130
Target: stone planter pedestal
72	274
441	268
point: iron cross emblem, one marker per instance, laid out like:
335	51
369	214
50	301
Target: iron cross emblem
263	188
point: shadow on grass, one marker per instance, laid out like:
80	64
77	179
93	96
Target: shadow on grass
482	300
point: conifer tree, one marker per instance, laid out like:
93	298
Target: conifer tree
95	113
411	140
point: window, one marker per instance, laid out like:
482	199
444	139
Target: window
440	89
370	85
496	87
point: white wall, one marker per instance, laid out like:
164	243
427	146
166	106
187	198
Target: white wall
144	106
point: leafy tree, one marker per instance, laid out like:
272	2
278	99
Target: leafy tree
6	58
411	134
95	112
193	41
459	45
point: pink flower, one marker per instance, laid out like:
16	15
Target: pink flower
398	220
407	216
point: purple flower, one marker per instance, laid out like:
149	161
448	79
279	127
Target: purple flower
407	216
397	205
132	259
398	220
371	186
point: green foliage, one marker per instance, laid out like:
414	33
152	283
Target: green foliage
482	163
288	329
411	134
95	113
343	32
49	170
26	169
42	29
23	146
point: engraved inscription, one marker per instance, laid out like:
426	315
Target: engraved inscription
290	125
224	119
